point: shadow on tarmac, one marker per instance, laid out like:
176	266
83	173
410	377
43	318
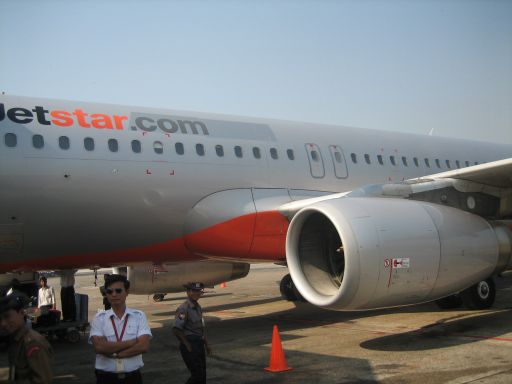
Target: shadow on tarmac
447	332
241	352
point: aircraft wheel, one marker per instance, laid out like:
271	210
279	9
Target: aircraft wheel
449	302
158	297
287	288
480	295
61	334
73	336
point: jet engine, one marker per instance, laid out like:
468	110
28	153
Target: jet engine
363	253
166	278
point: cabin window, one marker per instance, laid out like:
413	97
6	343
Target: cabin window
427	163
273	153
10	140
238	151
448	164
314	156
380	159
219	150
200	149
136	146
457	163
38	141
256	152
404	161
158	147
290	154
180	149
113	145
89	144
438	163
337	157
416	162
392	159
467	163
64	142
353	156
367	158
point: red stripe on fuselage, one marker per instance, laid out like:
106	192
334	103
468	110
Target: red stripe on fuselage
258	236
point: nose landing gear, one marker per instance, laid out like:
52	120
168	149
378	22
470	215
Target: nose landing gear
157	297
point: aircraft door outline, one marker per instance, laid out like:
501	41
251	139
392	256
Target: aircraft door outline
316	162
339	162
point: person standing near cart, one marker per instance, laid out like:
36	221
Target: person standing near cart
45	296
30	355
120	336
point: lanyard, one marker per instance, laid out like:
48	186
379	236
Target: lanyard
115	328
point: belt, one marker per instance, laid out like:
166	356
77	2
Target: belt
194	338
116	375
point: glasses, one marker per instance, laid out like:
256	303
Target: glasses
111	291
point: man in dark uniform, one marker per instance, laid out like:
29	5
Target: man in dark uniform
190	330
30	355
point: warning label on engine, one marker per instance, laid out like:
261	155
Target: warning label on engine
397	263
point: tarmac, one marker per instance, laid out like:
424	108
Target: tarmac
416	344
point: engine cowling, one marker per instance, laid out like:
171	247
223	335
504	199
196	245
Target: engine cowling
365	253
167	278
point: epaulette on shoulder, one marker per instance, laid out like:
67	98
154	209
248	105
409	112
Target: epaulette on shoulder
100	314
32	336
137	312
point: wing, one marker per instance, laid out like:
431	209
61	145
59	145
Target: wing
495	174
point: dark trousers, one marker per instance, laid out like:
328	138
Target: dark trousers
195	361
67	297
48	319
113	378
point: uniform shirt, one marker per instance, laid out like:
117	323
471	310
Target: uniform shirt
30	358
136	326
46	296
189	318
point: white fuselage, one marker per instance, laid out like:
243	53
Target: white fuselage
85	184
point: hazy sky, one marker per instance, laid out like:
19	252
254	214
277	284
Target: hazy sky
395	65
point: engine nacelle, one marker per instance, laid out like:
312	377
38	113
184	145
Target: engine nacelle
167	278
365	253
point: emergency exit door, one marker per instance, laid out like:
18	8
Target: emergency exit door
316	163
338	160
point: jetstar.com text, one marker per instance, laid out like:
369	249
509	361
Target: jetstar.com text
61	118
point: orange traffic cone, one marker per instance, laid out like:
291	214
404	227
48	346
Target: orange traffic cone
277	359
223	285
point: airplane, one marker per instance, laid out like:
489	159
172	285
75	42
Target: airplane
362	218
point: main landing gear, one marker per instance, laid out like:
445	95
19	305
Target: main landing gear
478	296
289	290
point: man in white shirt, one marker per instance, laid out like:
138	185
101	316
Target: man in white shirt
46	302
46	295
120	336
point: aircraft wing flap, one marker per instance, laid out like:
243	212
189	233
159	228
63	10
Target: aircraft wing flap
495	174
